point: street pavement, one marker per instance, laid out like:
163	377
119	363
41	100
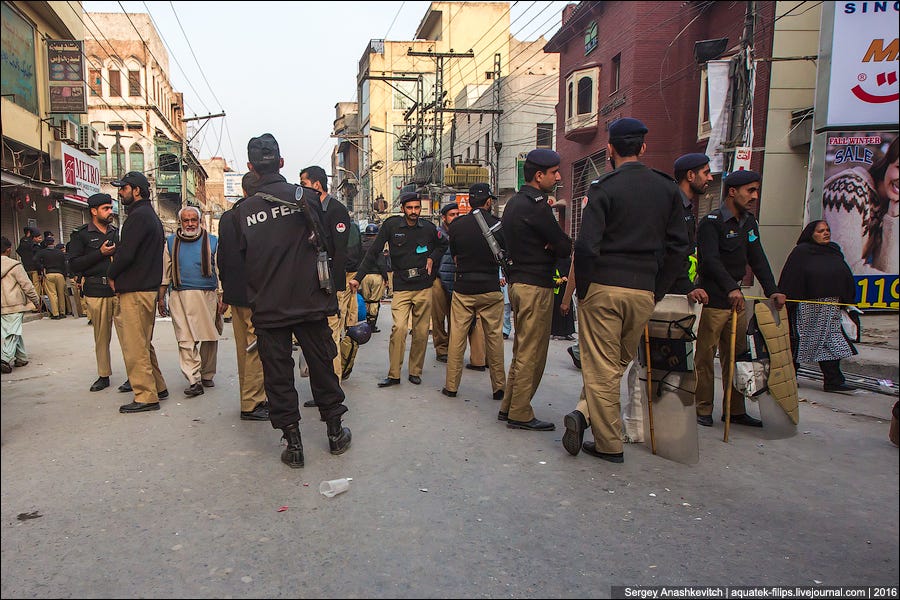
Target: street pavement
445	501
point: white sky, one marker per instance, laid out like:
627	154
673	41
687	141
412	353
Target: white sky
280	67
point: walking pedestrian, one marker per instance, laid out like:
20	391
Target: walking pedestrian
135	275
535	241
17	291
630	249
372	286
91	248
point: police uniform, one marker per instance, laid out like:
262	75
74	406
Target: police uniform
410	249
631	246
440	294
529	228
726	244
87	262
372	285
476	293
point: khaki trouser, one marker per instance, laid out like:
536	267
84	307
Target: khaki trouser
38	284
372	290
198	360
406	305
348	317
250	373
715	331
100	312
440	313
55	286
533	306
135	317
476	342
610	325
463	311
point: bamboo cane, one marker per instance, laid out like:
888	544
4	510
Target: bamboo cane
729	380
649	388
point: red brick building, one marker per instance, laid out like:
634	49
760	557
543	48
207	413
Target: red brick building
637	59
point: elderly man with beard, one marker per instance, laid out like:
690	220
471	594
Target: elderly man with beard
189	270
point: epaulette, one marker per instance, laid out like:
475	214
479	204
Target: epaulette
604	177
664	174
712	216
79	228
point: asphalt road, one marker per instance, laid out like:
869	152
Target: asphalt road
445	501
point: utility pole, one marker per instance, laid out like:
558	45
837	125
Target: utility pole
184	150
118	146
495	122
743	72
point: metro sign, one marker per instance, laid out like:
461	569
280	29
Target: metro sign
878	53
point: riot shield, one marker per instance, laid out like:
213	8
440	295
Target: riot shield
779	403
673	330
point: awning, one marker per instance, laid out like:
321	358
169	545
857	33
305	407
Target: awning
10	179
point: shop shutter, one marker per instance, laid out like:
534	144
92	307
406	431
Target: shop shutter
72	218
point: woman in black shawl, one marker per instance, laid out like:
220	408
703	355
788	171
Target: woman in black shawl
816	270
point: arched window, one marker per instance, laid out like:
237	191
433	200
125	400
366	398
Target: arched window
585	96
118	161
571	102
104	162
136	158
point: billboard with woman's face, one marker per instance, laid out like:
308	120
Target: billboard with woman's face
861	204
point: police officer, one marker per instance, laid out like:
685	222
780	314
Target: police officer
476	305
535	241
442	288
28	245
416	247
337	221
233	279
282	240
727	241
631	247
90	252
372	285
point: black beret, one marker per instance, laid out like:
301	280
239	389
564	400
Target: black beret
543	157
742	177
263	150
409	197
135	179
690	161
99	200
35	232
626	127
448	207
481	191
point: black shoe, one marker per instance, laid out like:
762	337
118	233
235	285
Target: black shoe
448	393
441	358
532	425
505	336
476	367
502	416
841	387
573	438
227	320
498	395
744	419
705	420
5	367
195	389
162	395
613	457
375	330
415	379
260	413
569	338
388	382
310	403
101	384
292	456
19	362
207	383
138	407
339	437
125	387
575	359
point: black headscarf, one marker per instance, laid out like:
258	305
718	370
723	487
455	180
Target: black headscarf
814	270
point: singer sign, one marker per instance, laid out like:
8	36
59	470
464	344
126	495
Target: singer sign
864	89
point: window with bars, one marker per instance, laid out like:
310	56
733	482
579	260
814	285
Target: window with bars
584	172
115	83
134	83
118	160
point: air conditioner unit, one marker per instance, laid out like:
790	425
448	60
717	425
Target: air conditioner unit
89	139
66	130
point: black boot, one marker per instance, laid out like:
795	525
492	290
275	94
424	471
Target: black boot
338	436
372	320
292	456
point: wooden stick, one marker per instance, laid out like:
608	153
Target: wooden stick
729	381
649	388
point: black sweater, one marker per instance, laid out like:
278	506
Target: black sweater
138	262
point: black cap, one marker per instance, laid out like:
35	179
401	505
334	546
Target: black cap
481	191
48	234
99	200
742	177
263	150
688	162
34	231
409	197
134	179
448	207
626	127
543	158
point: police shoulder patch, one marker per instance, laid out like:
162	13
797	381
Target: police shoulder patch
340	227
712	216
604	177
